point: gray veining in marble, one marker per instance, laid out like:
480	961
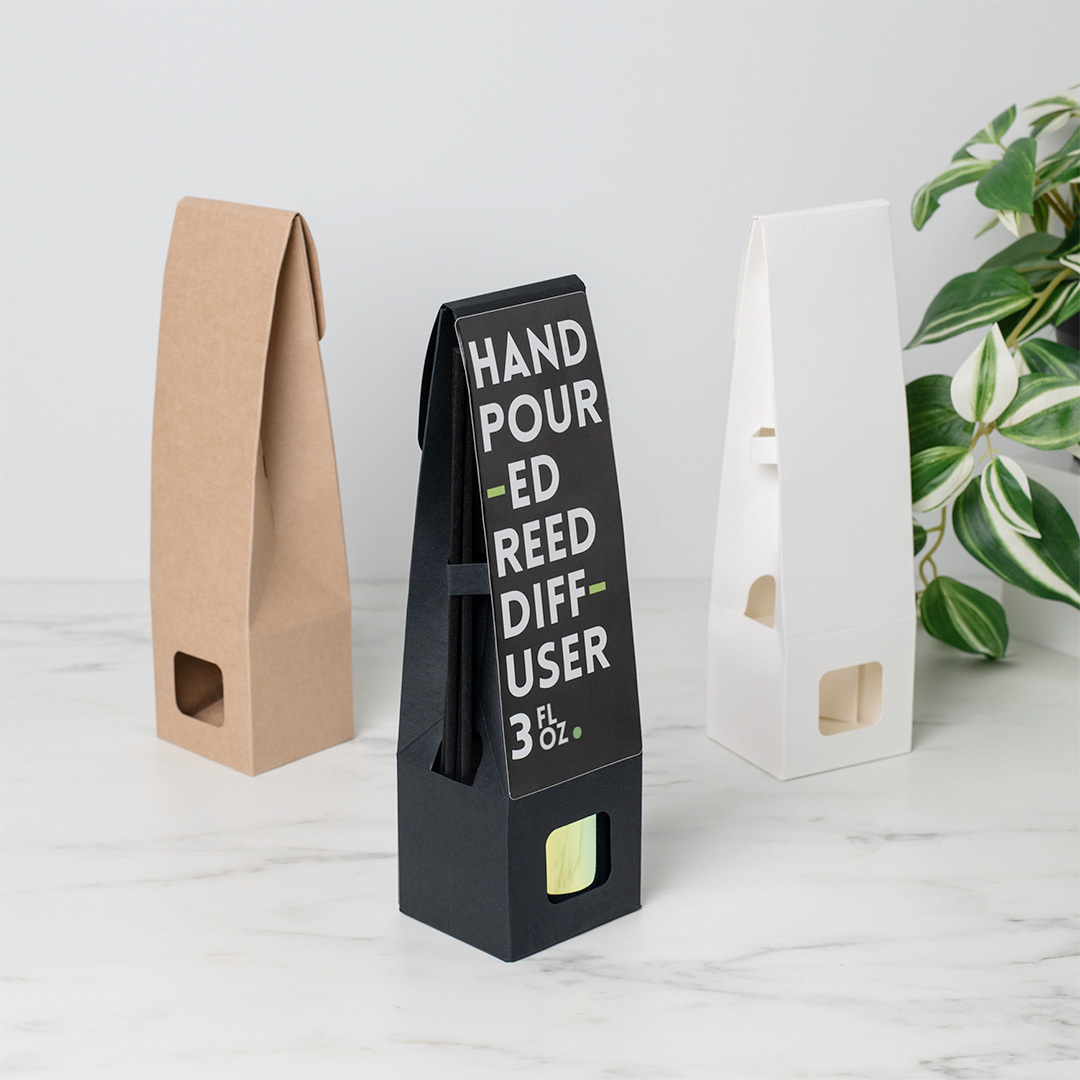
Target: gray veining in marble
165	917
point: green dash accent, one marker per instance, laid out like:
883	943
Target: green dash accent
577	733
496	491
600	586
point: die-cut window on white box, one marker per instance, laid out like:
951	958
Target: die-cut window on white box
849	698
761	601
763	446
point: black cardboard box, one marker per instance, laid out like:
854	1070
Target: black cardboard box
519	677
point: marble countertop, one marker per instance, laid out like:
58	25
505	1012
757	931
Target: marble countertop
166	917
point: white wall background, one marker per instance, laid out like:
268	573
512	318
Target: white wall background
440	150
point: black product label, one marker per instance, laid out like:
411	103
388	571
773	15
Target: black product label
554	533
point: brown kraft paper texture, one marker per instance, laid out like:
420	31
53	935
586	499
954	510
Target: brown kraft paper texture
249	584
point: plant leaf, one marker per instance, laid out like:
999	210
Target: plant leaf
1062	303
1048	566
970	300
1046	357
1051	122
1040	216
1009	184
1062	166
1070	242
1070	302
938	474
932	420
1045	413
1056	172
995	131
918	535
1005	488
986	381
1015	222
964	170
1050	113
1031	255
964	618
1057	99
990	222
1033	250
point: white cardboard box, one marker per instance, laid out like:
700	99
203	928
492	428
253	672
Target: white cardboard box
812	612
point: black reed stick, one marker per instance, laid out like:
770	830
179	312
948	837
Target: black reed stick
465	677
458	430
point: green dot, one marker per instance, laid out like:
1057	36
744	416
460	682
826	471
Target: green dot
577	733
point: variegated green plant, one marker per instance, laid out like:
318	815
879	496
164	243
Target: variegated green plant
1015	385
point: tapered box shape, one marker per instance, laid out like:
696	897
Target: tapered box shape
812	614
248	579
519	746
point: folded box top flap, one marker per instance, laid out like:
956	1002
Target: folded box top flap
230	216
316	277
754	233
442	333
747	265
223	283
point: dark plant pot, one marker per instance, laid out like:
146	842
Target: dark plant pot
1068	333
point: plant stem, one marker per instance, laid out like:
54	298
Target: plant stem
1036	307
1062	211
927	559
982	429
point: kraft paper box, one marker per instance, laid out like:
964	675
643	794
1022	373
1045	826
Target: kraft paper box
249	586
812	613
519	752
